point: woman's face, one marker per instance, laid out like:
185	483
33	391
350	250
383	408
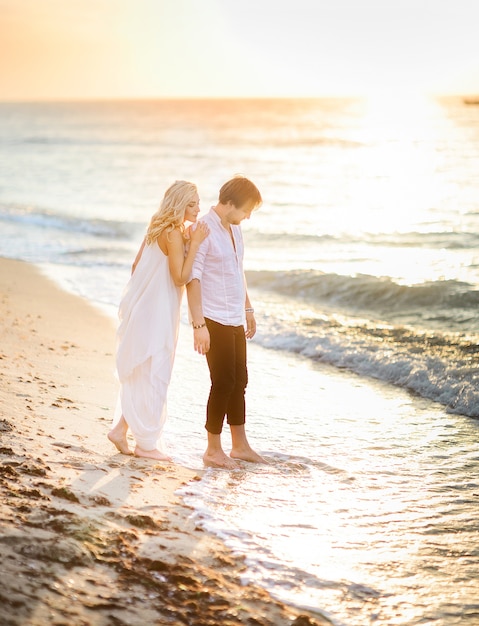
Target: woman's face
192	209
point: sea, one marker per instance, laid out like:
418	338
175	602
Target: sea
363	268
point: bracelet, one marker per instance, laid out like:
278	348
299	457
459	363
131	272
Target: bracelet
196	326
249	310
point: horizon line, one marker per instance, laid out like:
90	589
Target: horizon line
65	99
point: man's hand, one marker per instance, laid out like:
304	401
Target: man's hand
201	340
250	326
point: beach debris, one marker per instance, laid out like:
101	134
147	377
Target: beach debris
5	426
66	494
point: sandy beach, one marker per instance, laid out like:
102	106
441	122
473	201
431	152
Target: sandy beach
89	536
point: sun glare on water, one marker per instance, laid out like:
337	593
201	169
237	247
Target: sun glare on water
398	164
398	188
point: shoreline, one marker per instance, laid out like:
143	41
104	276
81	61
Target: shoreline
88	535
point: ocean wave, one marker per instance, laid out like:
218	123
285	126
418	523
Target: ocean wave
447	240
107	229
440	239
449	299
439	366
97	258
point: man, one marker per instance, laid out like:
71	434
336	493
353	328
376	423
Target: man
219	305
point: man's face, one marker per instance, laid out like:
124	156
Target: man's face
237	214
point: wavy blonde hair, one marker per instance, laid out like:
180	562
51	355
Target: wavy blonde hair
171	213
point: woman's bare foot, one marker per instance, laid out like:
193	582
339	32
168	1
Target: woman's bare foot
218	459
151	454
119	440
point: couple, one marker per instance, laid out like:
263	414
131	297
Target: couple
212	269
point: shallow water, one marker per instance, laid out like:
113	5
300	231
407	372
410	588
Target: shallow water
366	510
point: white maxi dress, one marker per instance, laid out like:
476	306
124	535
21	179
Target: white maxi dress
147	335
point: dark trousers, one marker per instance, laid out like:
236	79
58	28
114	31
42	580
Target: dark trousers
229	376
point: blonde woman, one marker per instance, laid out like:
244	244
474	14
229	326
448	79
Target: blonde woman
149	319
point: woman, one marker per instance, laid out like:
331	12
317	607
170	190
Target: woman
149	320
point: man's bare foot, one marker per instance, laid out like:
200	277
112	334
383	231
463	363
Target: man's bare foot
119	440
151	454
247	454
218	459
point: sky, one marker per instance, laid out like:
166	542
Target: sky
90	49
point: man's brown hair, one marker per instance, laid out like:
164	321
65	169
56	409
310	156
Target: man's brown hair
240	191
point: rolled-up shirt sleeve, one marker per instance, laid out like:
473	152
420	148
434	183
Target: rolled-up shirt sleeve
199	262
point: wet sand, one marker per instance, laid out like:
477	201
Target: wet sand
89	536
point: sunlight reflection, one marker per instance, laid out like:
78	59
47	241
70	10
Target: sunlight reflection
398	185
404	116
389	191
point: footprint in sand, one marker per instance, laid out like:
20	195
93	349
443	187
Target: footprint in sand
65	403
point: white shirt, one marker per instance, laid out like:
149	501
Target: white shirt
218	266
